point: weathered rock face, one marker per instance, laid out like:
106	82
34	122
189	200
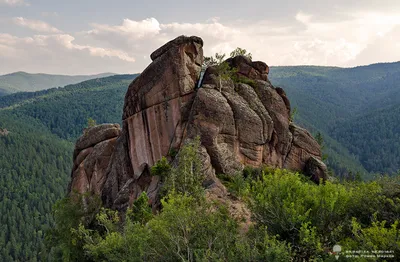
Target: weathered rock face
4	132
239	124
92	155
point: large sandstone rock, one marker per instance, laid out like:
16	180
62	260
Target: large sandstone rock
92	155
239	124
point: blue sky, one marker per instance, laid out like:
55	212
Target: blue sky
88	36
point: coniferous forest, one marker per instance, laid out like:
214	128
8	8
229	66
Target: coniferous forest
36	156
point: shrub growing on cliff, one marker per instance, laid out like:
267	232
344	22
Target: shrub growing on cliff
240	51
162	168
224	70
186	177
91	122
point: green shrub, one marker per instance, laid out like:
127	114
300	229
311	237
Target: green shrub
162	168
69	214
141	211
236	184
186	177
313	218
377	236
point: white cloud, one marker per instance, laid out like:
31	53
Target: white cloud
303	17
14	2
35	25
308	41
138	29
357	38
60	54
382	48
67	42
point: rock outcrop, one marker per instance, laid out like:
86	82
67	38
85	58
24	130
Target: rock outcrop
4	132
242	123
92	155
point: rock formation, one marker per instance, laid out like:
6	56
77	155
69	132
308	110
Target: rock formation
4	132
242	123
91	158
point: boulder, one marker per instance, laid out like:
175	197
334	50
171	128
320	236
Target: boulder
316	169
93	151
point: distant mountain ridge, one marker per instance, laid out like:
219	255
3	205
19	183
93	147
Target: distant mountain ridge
26	82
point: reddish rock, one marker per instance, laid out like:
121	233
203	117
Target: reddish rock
238	125
91	163
94	135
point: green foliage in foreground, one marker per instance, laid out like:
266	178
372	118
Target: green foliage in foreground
292	218
314	218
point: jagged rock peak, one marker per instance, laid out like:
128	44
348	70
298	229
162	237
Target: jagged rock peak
173	73
180	40
241	122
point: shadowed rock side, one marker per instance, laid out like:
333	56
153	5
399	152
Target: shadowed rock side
239	124
92	155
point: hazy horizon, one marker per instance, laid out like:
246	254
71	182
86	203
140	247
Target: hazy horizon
132	73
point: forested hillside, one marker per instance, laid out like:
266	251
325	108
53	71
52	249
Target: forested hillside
25	82
353	106
34	167
36	155
375	138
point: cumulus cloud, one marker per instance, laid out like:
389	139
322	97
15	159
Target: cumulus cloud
138	29
14	2
35	25
384	47
307	41
356	38
303	17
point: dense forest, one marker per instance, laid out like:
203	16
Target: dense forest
34	167
374	138
36	155
354	108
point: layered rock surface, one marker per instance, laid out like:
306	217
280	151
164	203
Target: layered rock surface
244	123
92	155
